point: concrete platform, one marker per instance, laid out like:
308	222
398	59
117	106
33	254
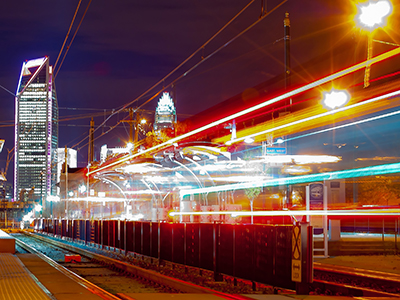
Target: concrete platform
27	276
58	284
16	282
7	243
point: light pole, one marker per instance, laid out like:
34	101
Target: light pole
41	187
370	17
335	99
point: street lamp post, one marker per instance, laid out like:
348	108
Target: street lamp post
335	99
372	16
332	100
41	188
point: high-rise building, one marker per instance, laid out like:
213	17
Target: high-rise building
36	131
165	116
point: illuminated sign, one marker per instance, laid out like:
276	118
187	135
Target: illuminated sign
276	150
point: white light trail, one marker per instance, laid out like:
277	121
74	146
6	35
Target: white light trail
275	213
292	93
391	114
341	109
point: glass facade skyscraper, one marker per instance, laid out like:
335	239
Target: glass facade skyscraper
36	131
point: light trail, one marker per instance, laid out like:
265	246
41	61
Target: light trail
391	114
335	175
143	192
98	199
315	117
276	213
289	94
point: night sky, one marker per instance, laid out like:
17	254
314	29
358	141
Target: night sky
125	47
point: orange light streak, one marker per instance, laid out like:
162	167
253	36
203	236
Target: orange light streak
292	93
307	119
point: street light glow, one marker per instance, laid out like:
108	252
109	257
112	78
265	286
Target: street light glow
335	99
373	14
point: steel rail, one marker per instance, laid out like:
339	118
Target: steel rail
150	275
376	277
323	285
83	282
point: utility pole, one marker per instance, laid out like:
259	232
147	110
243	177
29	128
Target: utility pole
136	130
133	123
286	26
41	188
91	141
288	83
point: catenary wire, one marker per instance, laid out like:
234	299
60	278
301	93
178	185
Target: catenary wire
188	71
176	68
7	90
66	37
73	37
217	50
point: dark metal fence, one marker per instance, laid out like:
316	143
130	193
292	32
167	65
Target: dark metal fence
259	253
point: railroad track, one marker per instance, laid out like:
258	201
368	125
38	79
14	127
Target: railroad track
152	281
328	280
331	279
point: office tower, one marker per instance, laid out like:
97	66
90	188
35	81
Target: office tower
165	116
36	132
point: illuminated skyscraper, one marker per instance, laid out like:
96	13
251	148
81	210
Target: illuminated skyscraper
36	130
165	116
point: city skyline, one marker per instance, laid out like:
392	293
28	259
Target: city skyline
110	64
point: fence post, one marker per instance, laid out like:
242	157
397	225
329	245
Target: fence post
396	229
234	254
216	241
302	257
253	261
73	228
126	252
158	243
184	248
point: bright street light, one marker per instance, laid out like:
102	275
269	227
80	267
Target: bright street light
335	98
82	188
129	146
373	14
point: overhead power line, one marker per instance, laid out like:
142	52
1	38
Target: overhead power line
219	49
175	69
265	14
66	37
73	37
7	90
